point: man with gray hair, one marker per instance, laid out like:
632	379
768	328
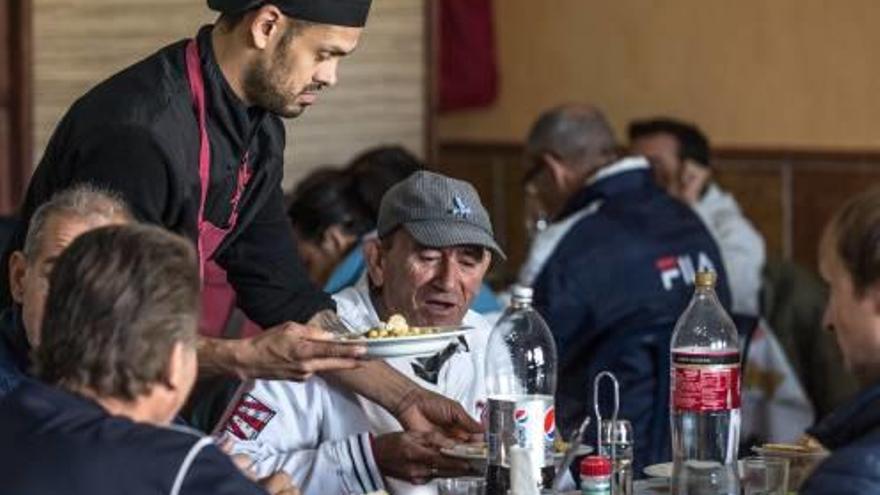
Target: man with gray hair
53	226
614	271
116	360
435	245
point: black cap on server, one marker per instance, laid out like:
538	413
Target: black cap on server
351	13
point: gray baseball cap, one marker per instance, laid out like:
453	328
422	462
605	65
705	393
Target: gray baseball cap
438	211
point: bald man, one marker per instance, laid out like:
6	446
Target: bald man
613	271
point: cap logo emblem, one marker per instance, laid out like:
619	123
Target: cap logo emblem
459	209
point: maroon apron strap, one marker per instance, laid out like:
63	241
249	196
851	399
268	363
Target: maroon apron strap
218	297
197	90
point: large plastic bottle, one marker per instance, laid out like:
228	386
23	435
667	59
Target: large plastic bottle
705	402
521	383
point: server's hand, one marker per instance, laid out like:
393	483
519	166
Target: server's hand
423	410
295	352
415	457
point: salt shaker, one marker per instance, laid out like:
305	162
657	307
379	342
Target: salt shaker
595	475
617	444
614	438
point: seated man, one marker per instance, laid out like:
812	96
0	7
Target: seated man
435	245
53	226
849	260
679	154
619	273
116	360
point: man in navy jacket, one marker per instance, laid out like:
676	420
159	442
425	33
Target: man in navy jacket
116	360
849	260
54	225
618	272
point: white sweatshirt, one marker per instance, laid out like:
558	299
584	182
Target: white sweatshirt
741	246
320	435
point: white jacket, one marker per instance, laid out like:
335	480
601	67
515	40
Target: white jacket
320	435
741	246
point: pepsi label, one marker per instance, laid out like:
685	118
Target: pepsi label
525	421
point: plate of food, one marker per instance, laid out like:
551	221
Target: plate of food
477	453
396	338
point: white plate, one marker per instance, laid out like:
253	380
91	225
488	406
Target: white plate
664	470
412	345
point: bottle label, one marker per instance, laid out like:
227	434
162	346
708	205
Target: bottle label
705	381
535	424
528	423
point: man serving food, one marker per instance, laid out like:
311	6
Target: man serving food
434	248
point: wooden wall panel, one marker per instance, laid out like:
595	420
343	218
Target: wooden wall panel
780	73
5	110
759	190
5	73
819	190
788	195
15	142
380	97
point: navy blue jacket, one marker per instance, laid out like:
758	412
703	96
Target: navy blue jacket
852	434
53	442
611	293
14	349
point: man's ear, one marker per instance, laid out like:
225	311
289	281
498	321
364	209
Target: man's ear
265	24
176	365
558	171
375	261
18	267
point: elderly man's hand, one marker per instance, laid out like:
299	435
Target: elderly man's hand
295	352
425	411
277	483
416	457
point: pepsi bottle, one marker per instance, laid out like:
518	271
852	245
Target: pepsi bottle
521	383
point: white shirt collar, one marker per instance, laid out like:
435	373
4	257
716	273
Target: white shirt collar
626	164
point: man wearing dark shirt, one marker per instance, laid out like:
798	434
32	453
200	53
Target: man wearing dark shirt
191	138
117	359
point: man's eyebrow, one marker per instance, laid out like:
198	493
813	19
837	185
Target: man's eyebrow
335	50
422	247
474	250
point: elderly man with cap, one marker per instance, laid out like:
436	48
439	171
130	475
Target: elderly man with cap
191	138
435	245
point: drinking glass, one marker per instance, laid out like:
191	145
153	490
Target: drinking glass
467	485
765	476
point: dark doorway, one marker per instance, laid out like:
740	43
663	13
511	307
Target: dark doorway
15	102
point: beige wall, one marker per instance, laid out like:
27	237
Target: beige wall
380	97
757	73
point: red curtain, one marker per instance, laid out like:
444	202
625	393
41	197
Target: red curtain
468	75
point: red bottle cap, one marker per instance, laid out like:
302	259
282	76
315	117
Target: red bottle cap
596	465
